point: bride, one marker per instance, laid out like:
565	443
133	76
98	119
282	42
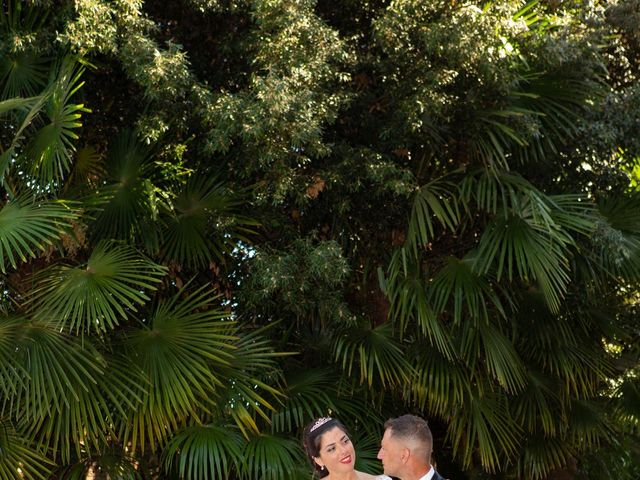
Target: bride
329	447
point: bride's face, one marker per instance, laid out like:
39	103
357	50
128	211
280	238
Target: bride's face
336	451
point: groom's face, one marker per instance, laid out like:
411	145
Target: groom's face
391	454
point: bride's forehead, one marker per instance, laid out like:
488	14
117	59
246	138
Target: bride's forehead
330	436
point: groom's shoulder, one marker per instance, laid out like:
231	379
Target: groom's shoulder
437	476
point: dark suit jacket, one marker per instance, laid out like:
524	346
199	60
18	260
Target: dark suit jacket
437	476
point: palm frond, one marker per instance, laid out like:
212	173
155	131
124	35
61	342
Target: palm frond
128	203
11	374
537	407
542	454
589	426
519	246
111	464
437	200
28	108
204	452
58	401
18	459
616	241
558	104
406	290
88	167
439	382
206	218
94	297
501	359
28	226
484	426
187	343
52	146
19	17
553	344
307	396
496	138
22	74
367	447
270	457
458	286
374	354
251	377
626	402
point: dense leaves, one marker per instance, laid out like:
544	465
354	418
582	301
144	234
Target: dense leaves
220	219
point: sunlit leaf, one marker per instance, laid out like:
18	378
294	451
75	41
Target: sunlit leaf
96	296
29	226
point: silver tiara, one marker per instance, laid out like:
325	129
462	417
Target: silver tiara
321	421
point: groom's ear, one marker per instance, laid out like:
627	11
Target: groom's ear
405	454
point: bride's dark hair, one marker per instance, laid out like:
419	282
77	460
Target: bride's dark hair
312	437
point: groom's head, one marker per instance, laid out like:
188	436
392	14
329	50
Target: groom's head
406	447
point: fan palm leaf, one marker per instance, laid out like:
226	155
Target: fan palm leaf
501	358
59	401
616	242
197	231
88	167
438	383
18	16
52	146
495	138
204	452
367	447
588	423
353	406
96	296
182	351
558	104
86	422
536	407
457	285
28	109
518	245
626	401
110	465
28	226
553	344
374	353
22	73
406	290
251	377
531	234
484	426
308	395
542	454
10	373
437	200
18	459
129	198
271	457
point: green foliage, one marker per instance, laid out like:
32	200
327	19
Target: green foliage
93	297
220	219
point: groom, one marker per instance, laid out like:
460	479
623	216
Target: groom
406	448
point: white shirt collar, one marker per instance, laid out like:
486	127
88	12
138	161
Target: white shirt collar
429	474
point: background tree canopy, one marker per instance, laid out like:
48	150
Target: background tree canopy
220	218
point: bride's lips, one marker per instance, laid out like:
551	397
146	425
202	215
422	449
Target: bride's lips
346	459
